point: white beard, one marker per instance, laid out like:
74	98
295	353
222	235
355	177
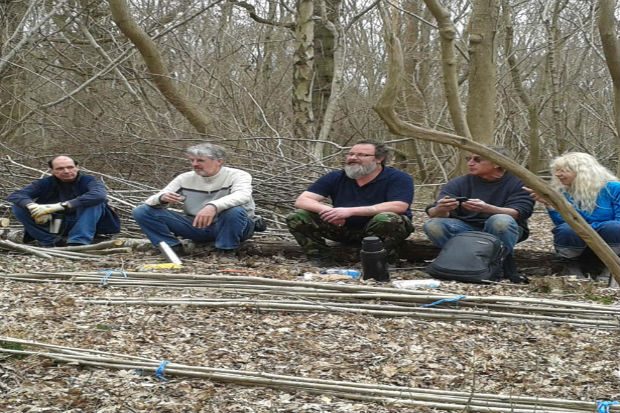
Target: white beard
356	170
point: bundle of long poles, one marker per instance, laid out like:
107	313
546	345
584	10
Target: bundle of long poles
304	296
370	392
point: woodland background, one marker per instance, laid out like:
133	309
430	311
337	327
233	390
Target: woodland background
285	85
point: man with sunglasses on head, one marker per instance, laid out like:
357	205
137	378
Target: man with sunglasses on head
66	208
488	199
367	199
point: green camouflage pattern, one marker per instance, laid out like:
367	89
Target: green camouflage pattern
311	231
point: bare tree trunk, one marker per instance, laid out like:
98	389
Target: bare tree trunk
326	40
414	80
535	163
11	81
159	74
611	48
329	101
385	107
447	31
304	126
482	72
553	45
265	65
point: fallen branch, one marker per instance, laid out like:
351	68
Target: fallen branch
384	394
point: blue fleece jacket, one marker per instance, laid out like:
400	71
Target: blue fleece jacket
607	207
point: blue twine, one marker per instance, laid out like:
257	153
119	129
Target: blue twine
159	373
106	276
603	406
445	300
109	273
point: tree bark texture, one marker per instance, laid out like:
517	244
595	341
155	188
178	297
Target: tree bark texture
154	62
416	79
482	70
535	163
304	127
325	44
553	51
326	111
611	48
385	107
447	33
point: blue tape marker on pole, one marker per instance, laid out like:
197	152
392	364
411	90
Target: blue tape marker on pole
603	406
106	276
159	373
444	300
109	273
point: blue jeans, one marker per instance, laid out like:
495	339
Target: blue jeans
79	227
568	244
504	227
231	227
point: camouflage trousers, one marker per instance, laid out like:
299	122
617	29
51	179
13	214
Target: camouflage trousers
311	231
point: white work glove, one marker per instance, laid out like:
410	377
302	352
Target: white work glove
37	210
42	219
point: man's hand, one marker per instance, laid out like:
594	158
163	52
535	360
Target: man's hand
171	198
37	210
205	216
335	216
477	205
446	204
537	197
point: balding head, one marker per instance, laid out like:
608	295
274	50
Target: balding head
64	168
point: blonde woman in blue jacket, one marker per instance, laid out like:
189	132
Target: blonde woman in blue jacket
595	193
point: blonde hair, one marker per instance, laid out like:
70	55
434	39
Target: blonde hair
590	178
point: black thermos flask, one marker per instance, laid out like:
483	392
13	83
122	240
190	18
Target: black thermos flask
374	259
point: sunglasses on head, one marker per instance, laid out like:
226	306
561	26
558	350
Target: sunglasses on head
475	158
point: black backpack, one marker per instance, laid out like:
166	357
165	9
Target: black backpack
472	256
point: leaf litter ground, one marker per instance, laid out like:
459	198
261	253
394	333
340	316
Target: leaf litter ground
519	358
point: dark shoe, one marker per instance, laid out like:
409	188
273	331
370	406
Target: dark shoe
179	250
225	253
324	260
604	277
572	267
60	242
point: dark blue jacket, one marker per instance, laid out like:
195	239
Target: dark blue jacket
85	191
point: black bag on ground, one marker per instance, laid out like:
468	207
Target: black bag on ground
472	256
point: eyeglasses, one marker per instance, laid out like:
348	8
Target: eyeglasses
359	155
475	158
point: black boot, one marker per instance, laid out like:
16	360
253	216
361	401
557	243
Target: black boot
572	267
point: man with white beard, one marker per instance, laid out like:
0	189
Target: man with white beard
367	198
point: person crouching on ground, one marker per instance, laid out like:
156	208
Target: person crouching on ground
488	199
367	198
595	193
76	201
216	201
